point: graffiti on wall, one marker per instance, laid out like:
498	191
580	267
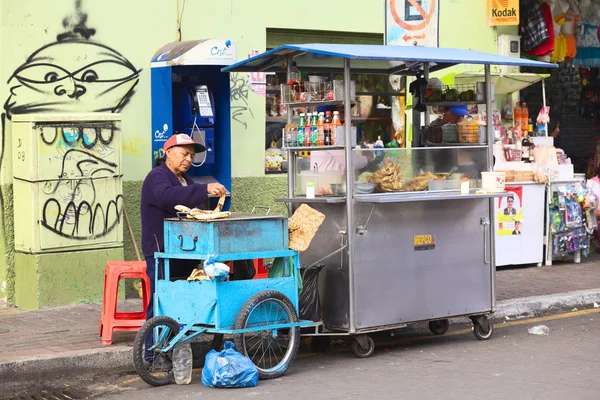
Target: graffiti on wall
82	204
240	110
73	74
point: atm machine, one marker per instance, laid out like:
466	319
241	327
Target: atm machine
191	95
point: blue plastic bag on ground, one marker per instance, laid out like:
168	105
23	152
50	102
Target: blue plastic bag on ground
228	369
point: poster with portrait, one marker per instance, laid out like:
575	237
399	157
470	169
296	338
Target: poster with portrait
509	212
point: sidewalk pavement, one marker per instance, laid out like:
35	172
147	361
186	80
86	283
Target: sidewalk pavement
66	339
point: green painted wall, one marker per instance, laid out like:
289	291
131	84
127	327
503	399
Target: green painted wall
49	280
136	29
7	271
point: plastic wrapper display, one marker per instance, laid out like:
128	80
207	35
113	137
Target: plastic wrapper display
303	226
228	369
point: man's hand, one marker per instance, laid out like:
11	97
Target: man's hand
216	189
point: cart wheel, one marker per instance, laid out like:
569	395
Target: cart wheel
439	327
480	332
153	365
272	350
361	352
320	344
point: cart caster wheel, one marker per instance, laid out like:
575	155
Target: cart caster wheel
439	327
361	352
480	331
320	344
154	366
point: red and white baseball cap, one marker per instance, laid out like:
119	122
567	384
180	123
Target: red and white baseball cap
181	139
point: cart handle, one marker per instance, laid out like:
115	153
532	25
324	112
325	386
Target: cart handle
180	237
261	208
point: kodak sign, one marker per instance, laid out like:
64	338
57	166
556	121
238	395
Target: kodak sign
503	12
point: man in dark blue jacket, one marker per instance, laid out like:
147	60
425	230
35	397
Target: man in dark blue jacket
166	186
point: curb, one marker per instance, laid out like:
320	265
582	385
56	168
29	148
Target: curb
80	362
118	358
527	307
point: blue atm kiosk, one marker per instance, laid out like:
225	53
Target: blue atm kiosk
191	95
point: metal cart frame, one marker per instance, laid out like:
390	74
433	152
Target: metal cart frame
351	221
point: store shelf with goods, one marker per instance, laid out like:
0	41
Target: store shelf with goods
438	146
283	120
317	199
452	95
316	103
453	103
313	148
401	197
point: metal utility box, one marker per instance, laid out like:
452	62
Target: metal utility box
67	181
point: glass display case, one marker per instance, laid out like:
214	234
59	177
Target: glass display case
386	170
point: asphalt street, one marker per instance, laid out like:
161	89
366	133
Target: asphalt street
513	364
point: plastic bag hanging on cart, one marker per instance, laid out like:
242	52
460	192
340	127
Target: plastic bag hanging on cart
310	302
277	270
228	369
216	270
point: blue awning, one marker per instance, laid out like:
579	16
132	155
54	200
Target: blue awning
374	58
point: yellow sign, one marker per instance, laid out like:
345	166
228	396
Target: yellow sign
503	12
424	242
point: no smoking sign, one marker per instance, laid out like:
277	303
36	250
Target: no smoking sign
416	18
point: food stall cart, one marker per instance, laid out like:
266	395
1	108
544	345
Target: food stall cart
394	251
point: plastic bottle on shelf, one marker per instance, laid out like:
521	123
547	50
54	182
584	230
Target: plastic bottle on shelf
182	363
314	130
524	118
320	129
295	74
517	117
327	129
334	124
301	130
307	128
530	128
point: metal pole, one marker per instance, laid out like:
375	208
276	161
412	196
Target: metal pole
490	153
291	154
488	119
350	229
544	107
426	76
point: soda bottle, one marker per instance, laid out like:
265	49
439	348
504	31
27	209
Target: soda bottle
320	129
334	124
327	129
524	118
517	117
301	130
302	121
314	130
307	128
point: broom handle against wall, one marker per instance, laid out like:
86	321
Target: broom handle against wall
137	252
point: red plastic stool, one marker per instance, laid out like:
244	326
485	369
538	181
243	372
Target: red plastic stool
111	320
261	271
